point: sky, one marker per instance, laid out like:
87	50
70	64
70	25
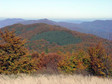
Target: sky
57	9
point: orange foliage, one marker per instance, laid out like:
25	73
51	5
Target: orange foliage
98	59
13	55
48	61
74	62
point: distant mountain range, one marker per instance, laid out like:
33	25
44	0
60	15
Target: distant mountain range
101	28
8	22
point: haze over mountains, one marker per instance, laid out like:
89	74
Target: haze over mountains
7	22
101	28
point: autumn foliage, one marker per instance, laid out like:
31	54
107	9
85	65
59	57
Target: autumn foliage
74	62
99	60
47	62
13	54
15	58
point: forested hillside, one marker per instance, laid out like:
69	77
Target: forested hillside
101	28
54	49
42	37
15	58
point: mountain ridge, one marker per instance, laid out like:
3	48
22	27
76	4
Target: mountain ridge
101	28
41	37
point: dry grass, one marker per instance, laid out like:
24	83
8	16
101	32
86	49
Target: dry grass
53	79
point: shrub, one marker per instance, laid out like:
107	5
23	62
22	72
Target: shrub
49	61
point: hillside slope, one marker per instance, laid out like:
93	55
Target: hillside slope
101	28
50	38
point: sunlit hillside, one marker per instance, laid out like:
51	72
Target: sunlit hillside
42	37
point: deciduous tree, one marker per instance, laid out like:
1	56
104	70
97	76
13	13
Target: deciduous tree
13	54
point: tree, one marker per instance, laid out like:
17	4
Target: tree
74	62
98	59
13	54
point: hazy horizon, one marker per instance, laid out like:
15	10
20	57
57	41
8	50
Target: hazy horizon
58	19
56	9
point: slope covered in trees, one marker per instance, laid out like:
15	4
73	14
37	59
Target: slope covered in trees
50	38
14	59
59	37
101	28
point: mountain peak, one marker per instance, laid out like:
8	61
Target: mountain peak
45	19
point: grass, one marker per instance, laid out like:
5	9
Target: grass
53	79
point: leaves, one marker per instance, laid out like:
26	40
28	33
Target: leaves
98	59
13	54
73	62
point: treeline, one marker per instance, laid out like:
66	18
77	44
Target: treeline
15	59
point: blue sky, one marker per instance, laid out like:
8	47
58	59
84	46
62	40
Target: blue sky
58	9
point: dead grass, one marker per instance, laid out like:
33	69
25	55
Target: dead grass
52	79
